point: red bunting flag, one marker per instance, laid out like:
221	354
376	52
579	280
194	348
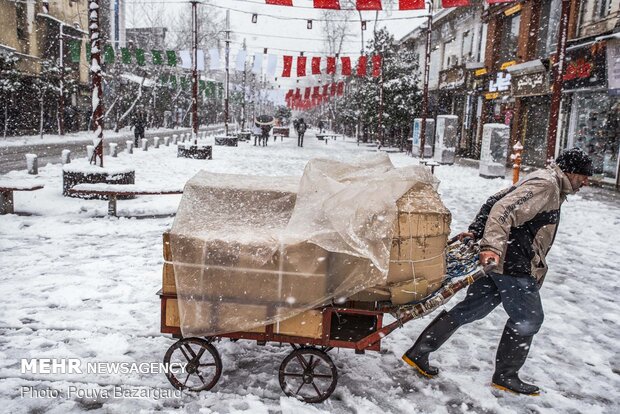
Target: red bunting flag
287	62
411	5
301	66
368	5
362	62
454	3
316	65
331	65
316	91
327	4
340	91
346	65
297	93
500	1
325	90
280	2
376	65
307	93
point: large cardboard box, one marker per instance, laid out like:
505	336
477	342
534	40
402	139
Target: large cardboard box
308	324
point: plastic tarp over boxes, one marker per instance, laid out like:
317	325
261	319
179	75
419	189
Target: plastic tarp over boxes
250	251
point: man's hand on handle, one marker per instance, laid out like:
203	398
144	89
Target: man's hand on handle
487	256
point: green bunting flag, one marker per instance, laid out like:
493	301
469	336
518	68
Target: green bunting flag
184	83
203	85
210	92
108	54
88	52
173	81
172	57
157	58
163	78
140	58
125	55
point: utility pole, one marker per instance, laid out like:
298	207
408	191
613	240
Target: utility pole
558	81
96	89
427	62
195	72
227	72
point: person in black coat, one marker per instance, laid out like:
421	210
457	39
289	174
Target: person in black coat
139	124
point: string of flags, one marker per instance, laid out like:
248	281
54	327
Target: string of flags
313	95
319	65
363	5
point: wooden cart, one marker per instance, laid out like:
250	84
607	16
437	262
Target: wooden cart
307	372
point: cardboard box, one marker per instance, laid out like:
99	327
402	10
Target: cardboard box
419	248
166	246
199	315
308	324
410	291
168	285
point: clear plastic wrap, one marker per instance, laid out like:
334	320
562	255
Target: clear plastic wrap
249	251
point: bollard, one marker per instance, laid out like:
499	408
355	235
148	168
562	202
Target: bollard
65	156
129	147
113	149
167	141
89	152
175	139
32	164
145	144
516	158
156	142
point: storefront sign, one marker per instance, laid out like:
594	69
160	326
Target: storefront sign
613	66
452	78
586	67
530	84
501	82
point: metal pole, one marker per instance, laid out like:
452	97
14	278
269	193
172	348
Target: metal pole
427	61
227	71
195	73
96	88
243	92
61	98
381	109
558	81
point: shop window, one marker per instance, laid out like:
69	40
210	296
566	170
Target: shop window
596	130
21	17
509	41
550	14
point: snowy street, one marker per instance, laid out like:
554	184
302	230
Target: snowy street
79	284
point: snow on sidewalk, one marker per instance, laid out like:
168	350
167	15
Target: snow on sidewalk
79	284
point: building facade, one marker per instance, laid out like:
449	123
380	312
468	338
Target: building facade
591	94
37	34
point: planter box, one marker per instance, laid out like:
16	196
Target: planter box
195	152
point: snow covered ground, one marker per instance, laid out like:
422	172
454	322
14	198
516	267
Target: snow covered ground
77	284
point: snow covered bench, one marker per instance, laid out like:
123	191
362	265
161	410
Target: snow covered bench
113	191
6	193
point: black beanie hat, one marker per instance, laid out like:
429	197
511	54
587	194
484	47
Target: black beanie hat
575	161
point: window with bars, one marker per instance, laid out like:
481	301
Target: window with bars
603	8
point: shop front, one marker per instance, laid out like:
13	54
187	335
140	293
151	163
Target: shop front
530	87
594	122
452	91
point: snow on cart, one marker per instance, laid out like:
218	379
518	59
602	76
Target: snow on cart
314	263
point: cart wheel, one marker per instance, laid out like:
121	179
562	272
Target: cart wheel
308	374
203	368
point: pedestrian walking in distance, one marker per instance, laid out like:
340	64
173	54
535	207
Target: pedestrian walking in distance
301	130
139	123
516	228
